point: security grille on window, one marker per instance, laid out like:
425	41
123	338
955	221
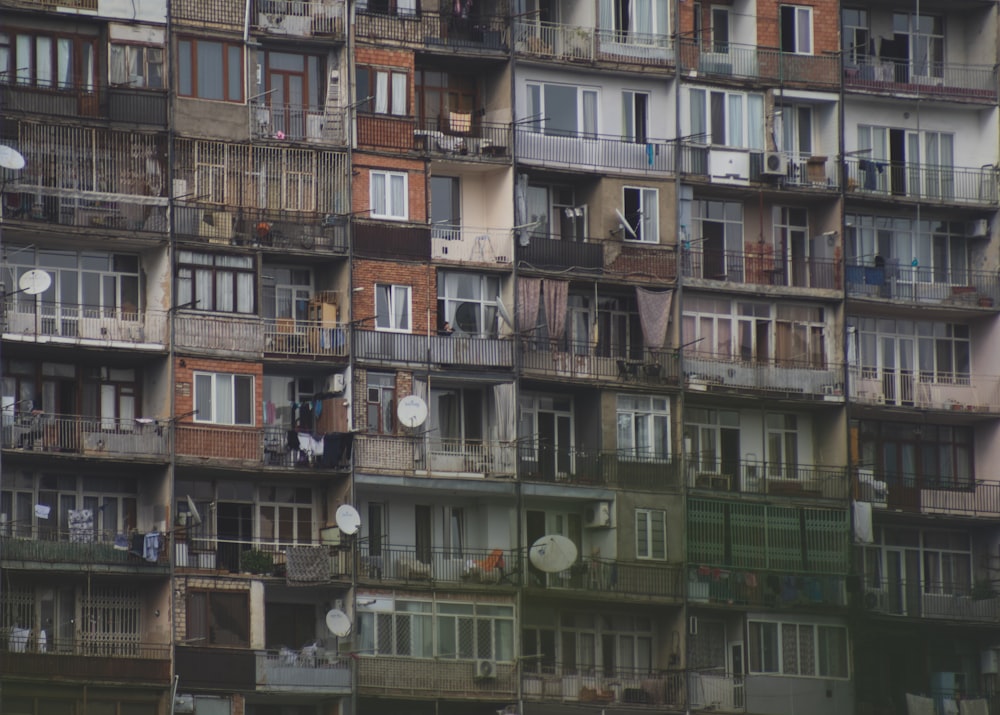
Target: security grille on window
223	398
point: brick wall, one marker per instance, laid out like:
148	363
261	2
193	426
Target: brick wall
207	440
185	368
421	278
825	17
200	584
416	183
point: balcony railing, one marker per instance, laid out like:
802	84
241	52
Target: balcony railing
945	80
926	495
594	152
309	669
760	266
304	338
774	589
386	239
614	578
444	32
117	103
771	478
457	567
428	457
641	48
306	231
62	4
85	659
926	182
547	254
269	446
553	41
714	689
219	332
462	136
198	548
54	206
613	688
385	131
107	437
296	122
910	388
387	675
949	601
707	371
541	462
597	361
298	18
216	14
466	244
924	286
29	320
81	544
730	59
227	443
412	348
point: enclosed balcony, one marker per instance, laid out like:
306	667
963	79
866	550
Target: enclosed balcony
808	481
758	265
614	578
325	19
930	80
448	568
928	183
309	670
92	100
100	437
86	661
726	585
598	361
952	497
427	457
937	600
29	547
553	41
548	463
274	447
594	152
710	372
434	31
923	286
436	350
541	253
29	320
899	387
466	244
616	688
434	678
375	239
724	60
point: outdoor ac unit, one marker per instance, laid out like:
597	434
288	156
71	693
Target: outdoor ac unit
597	515
335	383
184	704
775	164
486	669
979	228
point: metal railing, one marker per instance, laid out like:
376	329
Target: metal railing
100	100
705	371
628	47
71	4
444	32
433	677
413	348
541	462
84	545
549	254
762	267
197	547
955	392
715	689
926	182
467	244
554	41
271	230
537	145
457	566
603	686
299	18
305	338
296	122
731	59
311	668
930	79
771	478
924	286
85	209
213	332
927	494
463	138
430	456
217	14
29	320
709	583
386	239
87	658
914	598
588	360
92	436
613	577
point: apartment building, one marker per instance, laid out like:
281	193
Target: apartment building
709	290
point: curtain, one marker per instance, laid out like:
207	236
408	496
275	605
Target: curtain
654	315
755	122
224	292
734	120
399	93
528	290
43	61
378	207
503	395
556	293
641	20
397	196
699	126
605	16
203	290
223	400
589	113
382	92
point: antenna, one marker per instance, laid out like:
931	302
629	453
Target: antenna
348	519
552	553
193	509
338	622
34	282
10	158
411	411
626	226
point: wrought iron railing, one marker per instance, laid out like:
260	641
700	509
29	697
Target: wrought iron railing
458	566
300	18
546	147
588	360
414	348
923	286
393	675
107	437
931	494
310	669
771	478
927	182
540	461
709	371
760	266
463	136
929	79
305	338
444	32
731	59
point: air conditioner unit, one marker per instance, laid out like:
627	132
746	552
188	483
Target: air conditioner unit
335	383
486	669
597	515
980	228
775	164
184	704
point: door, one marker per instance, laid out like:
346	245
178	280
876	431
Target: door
289	93
714	252
897	370
736	665
234	523
422	532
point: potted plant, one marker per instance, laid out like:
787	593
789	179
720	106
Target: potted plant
256	561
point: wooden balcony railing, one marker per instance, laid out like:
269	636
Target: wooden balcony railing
304	338
936	80
917	599
217	332
307	670
924	286
467	244
27	319
959	498
541	462
708	371
457	567
730	59
388	675
85	659
435	32
957	392
393	240
428	457
613	577
299	18
760	266
609	687
539	146
547	254
106	437
81	545
595	361
412	348
932	183
755	587
810	481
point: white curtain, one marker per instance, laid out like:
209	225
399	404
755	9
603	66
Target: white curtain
244	292
399	93
734	121
117	64
699	126
224	292
43	61
203	290
397	187
503	395
378	206
755	121
641	20
605	15
589	113
224	399
382	92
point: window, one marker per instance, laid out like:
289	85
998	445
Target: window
392	307
635	21
855	42
469	302
712	439
286	292
285	515
635	116
798	649
940	351
730	119
782	446
208	69
917	46
933	457
796	29
216	618
651	534
642	213
554	213
720	29
562	110
47	61
643	427
136	65
294	87
220	283
446	207
440	93
223	398
381	401
387	89
388	195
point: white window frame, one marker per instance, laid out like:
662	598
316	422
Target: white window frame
803	16
384	208
535	102
395	293
649	548
819	632
216	380
647	224
737	107
635	116
643	409
485	302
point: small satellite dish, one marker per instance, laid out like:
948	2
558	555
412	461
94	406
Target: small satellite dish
411	411
10	158
626	226
338	622
552	553
34	282
348	519
193	510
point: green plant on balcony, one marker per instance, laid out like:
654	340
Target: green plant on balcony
256	561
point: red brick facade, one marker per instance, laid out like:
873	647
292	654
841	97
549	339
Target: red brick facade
422	280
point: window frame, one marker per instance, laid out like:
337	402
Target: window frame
777	662
394	288
705	134
649	549
651	413
646	226
386	179
207	638
189	75
144	63
27	76
237	381
367	82
187	282
537	115
486	305
799	13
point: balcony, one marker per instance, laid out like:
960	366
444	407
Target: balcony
392	240
216	332
613	578
708	372
759	266
86	546
103	437
298	565
954	393
28	320
598	361
945	601
438	350
308	670
210	14
923	286
730	586
100	101
413	456
730	60
434	678
662	690
546	463
957	498
279	231
59	4
385	132
301	19
465	244
569	43
462	137
49	208
435	32
451	568
94	662
929	183
594	152
808	481
291	338
296	122
715	690
542	253
931	80
268	446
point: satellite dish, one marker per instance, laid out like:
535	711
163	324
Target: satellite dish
193	510
348	519
626	226
10	158
34	282
552	553
411	411
338	622
467	318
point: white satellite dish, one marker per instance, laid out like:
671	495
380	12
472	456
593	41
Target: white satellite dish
10	158
338	622
552	553
34	282
348	519
193	510
411	411
626	226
